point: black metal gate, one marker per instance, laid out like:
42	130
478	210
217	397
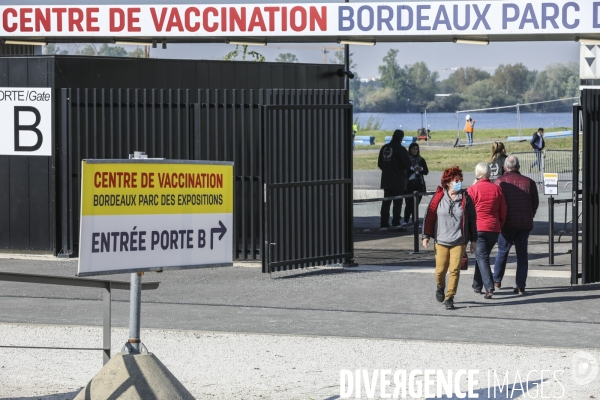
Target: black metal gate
590	249
219	125
307	169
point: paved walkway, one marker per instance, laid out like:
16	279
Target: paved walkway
228	366
383	301
282	336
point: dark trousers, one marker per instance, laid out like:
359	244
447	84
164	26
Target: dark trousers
385	207
505	242
483	272
538	160
410	201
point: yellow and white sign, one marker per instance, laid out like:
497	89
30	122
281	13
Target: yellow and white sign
550	184
145	215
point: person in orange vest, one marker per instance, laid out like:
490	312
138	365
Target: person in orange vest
469	128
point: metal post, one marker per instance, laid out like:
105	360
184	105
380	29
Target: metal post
575	195
519	122
551	230
551	233
415	224
65	251
106	323
347	67
134	344
416	221
135	306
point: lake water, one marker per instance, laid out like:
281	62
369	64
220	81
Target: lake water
410	122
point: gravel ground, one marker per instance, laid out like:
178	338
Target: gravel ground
251	366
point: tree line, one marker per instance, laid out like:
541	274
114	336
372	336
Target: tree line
413	88
95	50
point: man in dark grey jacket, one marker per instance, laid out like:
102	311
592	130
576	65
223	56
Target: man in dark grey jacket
537	144
394	163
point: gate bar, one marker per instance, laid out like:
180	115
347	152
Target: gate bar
575	195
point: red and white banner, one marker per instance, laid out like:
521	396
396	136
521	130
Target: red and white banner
385	19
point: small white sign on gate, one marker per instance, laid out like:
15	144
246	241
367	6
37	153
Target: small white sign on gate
550	184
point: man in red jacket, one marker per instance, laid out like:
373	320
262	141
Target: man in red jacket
522	202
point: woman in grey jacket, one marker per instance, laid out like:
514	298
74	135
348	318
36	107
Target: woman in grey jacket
452	221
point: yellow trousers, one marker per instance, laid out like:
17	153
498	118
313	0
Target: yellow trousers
448	258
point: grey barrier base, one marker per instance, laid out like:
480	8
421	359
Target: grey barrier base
140	376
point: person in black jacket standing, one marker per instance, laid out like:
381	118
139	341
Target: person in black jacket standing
394	163
538	143
416	180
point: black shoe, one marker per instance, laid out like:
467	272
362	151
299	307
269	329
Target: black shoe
478	291
488	294
385	225
439	294
519	290
449	303
396	223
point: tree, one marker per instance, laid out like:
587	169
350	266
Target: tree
390	72
421	84
137	53
380	100
52	48
484	94
287	58
460	79
557	81
111	51
394	77
235	53
88	50
512	79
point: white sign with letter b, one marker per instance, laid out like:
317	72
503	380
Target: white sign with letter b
26	115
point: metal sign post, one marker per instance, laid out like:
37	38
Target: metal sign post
134	344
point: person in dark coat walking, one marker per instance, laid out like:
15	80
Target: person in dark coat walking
522	201
416	180
538	143
394	163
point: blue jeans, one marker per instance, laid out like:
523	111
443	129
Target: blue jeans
505	242
469	138
483	272
538	160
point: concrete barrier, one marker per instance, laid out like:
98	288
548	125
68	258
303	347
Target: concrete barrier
364	140
362	194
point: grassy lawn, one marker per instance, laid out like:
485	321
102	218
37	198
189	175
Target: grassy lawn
439	159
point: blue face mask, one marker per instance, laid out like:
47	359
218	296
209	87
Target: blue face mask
457	186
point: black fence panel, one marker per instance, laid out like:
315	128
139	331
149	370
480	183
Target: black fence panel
221	125
111	124
27	183
307	171
590	257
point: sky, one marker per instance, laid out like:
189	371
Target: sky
440	57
